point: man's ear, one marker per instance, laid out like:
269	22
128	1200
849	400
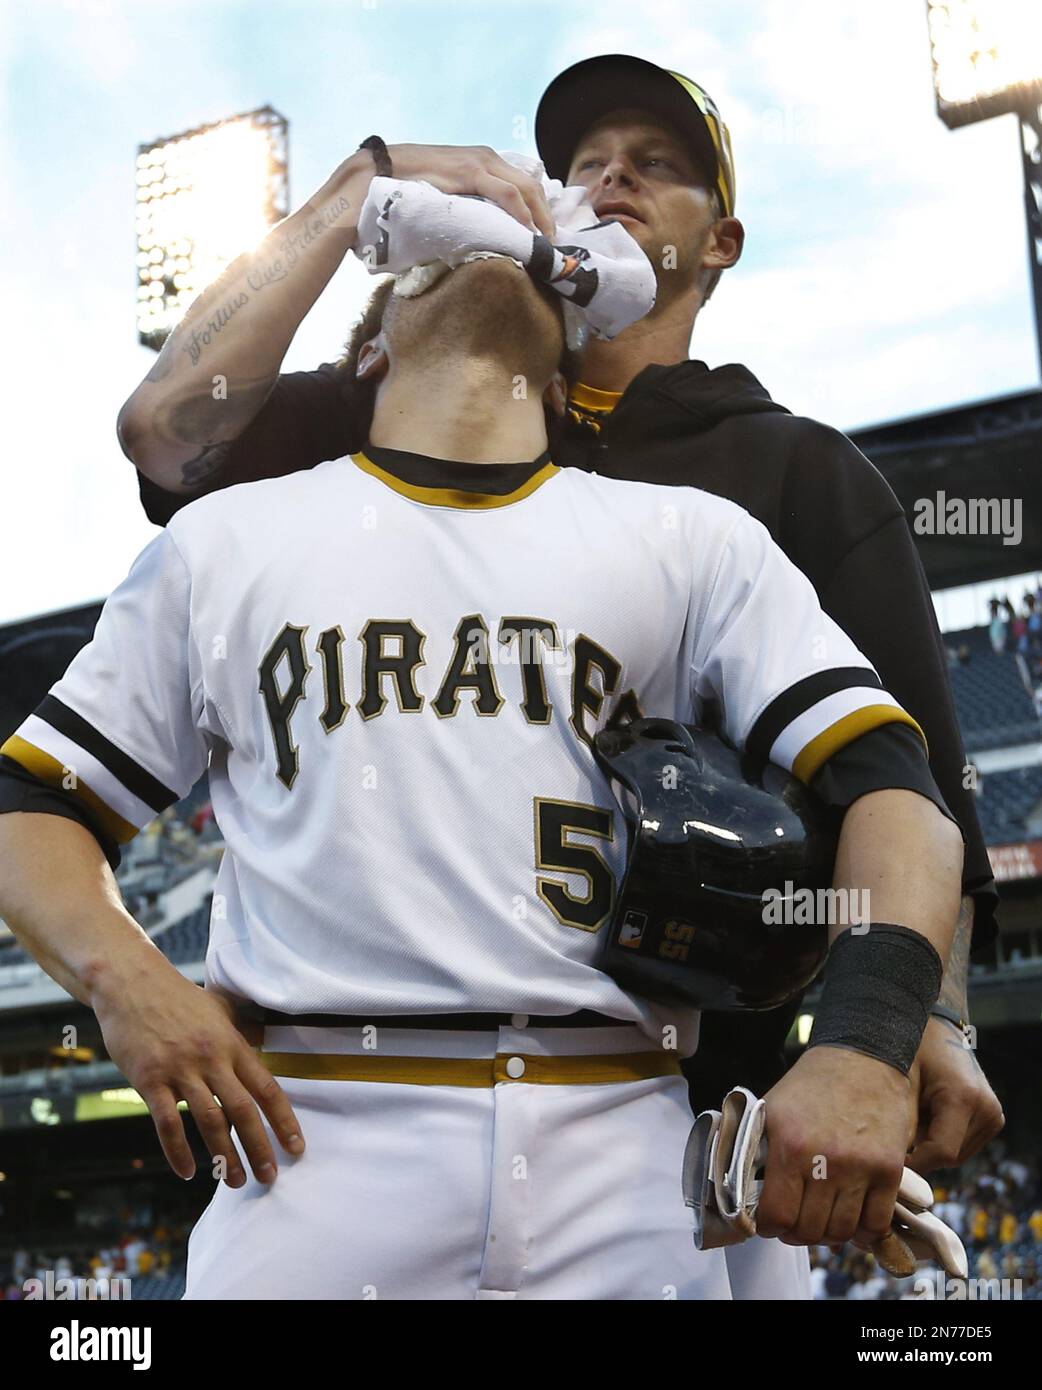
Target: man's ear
556	394
724	248
372	361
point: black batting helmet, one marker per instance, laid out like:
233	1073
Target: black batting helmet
714	836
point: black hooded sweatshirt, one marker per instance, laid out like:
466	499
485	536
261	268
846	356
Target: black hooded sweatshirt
823	502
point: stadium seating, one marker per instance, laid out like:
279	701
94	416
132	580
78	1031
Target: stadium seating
994	705
1006	800
185	942
152	1288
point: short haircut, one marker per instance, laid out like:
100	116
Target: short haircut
360	396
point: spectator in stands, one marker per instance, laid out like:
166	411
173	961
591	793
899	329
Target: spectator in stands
997	627
1011	618
992	1183
132	1252
987	1268
1009	1226
1035	1225
818	1276
1033	618
980	1226
1015	1172
837	1281
952	1212
868	1282
1020	633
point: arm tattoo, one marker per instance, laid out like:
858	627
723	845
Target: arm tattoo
242	280
205	464
210	425
956	974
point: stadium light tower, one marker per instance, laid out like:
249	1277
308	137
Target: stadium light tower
203	197
987	61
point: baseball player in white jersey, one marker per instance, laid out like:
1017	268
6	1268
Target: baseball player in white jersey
393	666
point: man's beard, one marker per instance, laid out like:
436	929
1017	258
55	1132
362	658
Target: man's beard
489	309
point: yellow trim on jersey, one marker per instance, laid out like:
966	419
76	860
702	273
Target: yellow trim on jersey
611	1068
455	497
590	398
54	773
846	730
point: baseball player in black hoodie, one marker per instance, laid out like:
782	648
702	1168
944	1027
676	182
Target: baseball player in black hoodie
654	153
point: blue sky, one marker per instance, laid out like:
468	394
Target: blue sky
885	269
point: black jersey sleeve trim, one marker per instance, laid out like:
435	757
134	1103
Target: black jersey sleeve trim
799	698
131	774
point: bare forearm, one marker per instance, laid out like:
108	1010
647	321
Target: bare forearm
218	366
170	1039
61	900
907	856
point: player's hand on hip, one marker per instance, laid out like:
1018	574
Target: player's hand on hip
174	1041
478	170
838	1127
959	1113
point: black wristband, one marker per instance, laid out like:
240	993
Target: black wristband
381	158
880	985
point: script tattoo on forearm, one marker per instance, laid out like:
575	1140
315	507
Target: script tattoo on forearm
247	277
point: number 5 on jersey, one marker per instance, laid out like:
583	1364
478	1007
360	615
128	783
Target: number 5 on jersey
555	822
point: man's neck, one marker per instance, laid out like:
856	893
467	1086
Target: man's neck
663	337
472	411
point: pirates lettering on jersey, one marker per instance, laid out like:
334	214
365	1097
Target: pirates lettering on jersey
469	669
401	666
532	635
331	647
392	650
589	657
280	706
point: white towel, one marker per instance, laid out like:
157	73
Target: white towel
411	229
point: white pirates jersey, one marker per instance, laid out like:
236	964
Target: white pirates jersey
395	688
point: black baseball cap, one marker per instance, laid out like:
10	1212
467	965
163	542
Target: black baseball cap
591	89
